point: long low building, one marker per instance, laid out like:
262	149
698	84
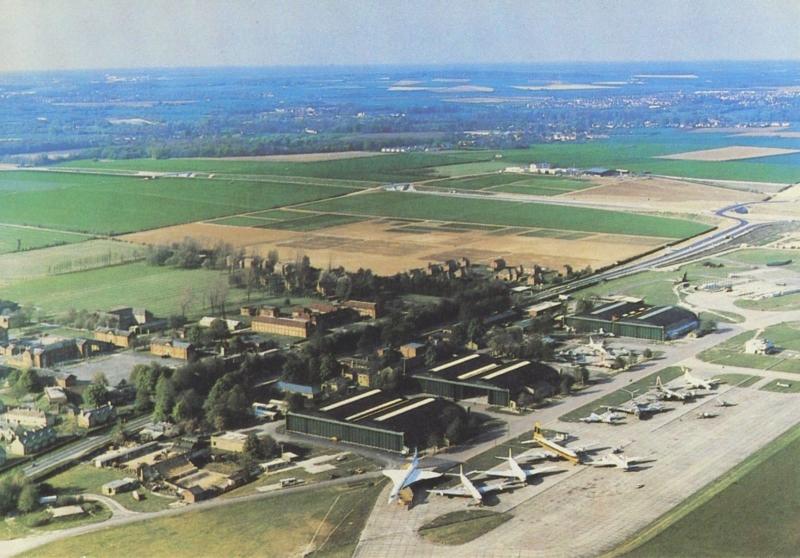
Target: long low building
480	375
374	418
630	318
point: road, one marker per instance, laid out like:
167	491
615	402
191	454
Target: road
75	450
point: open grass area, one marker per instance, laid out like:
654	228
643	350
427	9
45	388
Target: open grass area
622	396
20	239
784	387
29	523
750	511
87	479
327	521
159	289
118	204
493	212
738	380
784	303
462	526
785	336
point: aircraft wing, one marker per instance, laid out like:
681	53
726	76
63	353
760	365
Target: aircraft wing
534	455
455	491
498	486
427	475
529	471
397	475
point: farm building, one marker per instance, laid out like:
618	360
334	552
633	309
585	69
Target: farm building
173	348
29	418
89	418
118	486
374	418
32	441
480	375
118	337
628	318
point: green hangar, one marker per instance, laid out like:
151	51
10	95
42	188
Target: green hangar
376	419
630	318
480	375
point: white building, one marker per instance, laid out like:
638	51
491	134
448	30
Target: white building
758	346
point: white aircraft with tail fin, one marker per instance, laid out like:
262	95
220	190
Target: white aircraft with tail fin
468	489
403	478
515	470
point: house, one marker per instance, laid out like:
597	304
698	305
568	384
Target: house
233	325
118	486
55	395
337	384
29	418
89	418
412	350
366	378
12	320
232	441
309	392
497	264
138	320
372	310
122	338
759	346
32	441
172	348
66	381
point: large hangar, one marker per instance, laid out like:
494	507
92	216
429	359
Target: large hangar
374	418
629	318
479	375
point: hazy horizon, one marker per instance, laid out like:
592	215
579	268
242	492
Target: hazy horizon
84	35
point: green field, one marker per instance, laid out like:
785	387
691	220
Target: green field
87	479
402	167
30	239
731	353
327	521
159	289
312	222
785	303
117	204
491	212
460	527
69	257
622	396
794	387
751	511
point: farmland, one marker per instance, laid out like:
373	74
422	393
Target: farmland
118	204
492	212
327	520
30	238
159	289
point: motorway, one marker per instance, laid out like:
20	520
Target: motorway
76	450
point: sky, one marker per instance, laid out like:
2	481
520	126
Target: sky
100	34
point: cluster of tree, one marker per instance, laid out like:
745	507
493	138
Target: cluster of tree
257	449
188	254
23	382
18	494
203	392
512	342
96	393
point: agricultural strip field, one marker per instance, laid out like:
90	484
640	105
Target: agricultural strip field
327	521
513	183
492	212
159	289
786	337
622	396
750	511
67	258
25	238
402	167
118	204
